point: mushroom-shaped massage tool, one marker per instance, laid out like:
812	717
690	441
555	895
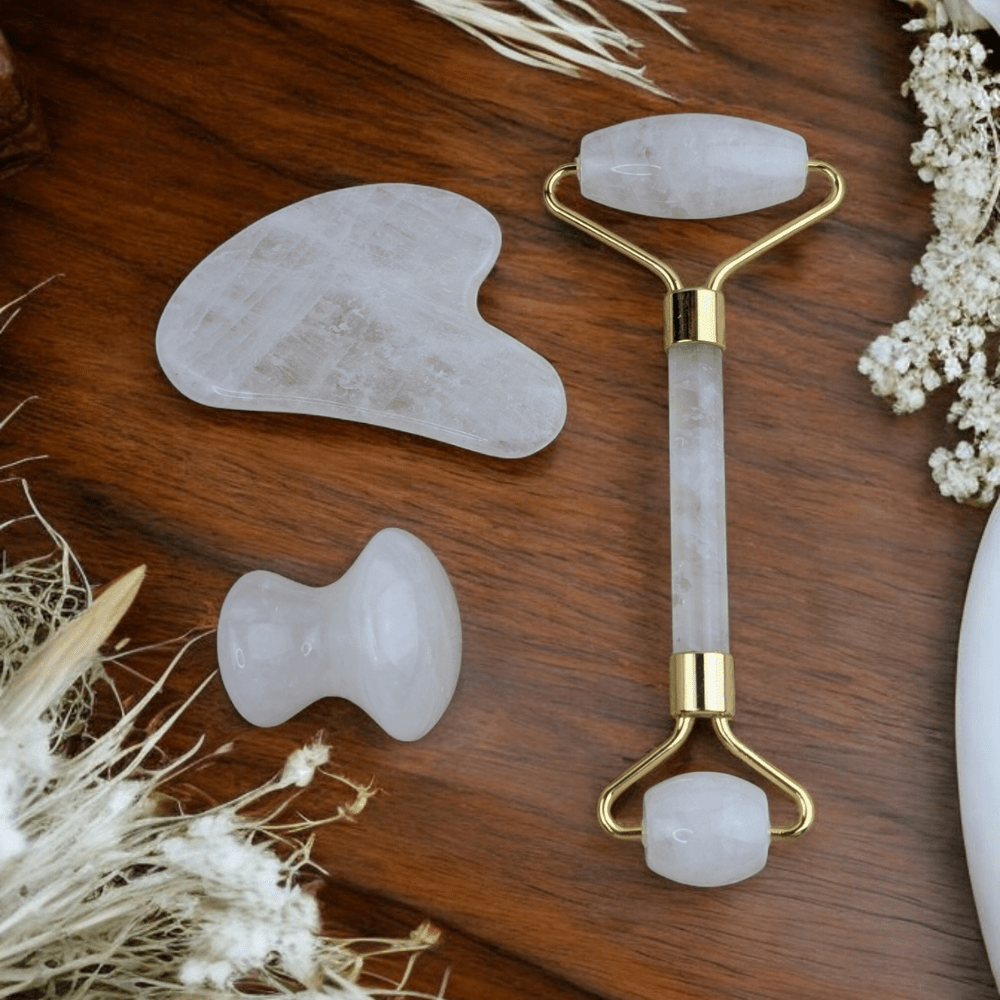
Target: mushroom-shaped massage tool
700	828
386	636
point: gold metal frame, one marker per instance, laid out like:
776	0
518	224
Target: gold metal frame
702	686
701	683
683	727
722	271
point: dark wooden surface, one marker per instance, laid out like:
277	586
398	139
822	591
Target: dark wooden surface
174	123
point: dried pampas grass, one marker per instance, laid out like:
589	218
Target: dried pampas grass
107	889
560	35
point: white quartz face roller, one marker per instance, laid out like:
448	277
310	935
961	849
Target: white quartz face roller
700	828
386	636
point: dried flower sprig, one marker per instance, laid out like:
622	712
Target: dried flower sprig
950	333
104	892
109	891
560	35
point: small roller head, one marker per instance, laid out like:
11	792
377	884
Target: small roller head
706	828
692	166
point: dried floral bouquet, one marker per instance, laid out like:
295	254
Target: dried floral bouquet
950	334
108	889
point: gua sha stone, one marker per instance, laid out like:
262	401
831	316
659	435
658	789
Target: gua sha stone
361	304
387	636
706	828
692	166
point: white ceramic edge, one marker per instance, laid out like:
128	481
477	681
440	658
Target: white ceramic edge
977	734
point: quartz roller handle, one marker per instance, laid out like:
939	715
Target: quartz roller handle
700	598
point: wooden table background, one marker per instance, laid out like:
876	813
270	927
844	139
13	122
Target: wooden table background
173	124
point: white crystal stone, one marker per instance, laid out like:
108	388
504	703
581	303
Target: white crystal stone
692	166
361	304
977	734
386	635
705	828
700	602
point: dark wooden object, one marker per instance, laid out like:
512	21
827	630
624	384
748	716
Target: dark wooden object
22	136
175	124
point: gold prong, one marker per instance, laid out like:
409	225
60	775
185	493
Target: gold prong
796	792
601	233
638	771
837	191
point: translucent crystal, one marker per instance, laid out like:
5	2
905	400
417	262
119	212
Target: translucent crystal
706	828
692	166
386	635
700	604
361	304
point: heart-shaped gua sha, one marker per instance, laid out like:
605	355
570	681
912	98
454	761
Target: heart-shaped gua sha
361	304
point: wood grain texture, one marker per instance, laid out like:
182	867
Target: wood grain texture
22	135
173	124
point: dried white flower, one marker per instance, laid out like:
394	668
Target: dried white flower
302	764
950	332
245	909
105	894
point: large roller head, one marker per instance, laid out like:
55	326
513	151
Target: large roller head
692	166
